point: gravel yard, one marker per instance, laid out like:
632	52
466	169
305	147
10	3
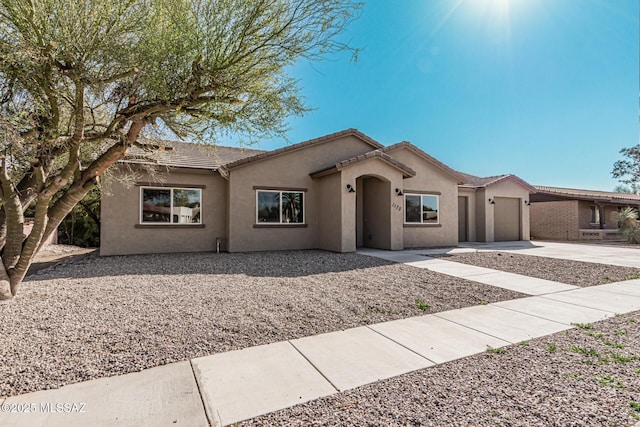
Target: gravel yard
559	270
98	317
581	377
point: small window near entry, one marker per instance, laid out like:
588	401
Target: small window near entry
421	209
280	207
595	214
171	205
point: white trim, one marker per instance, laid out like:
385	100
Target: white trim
171	190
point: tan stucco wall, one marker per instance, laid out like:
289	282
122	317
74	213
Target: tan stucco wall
431	179
470	194
381	195
120	214
287	171
329	224
503	189
481	204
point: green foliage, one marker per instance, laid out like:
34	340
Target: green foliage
618	358
635	406
627	170
484	302
583	325
612	344
422	305
383	311
595	334
628	224
609	381
82	226
552	348
574	376
584	351
84	81
496	350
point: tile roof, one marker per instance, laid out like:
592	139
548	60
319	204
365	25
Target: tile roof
305	144
425	156
484	182
587	194
407	172
187	155
476	181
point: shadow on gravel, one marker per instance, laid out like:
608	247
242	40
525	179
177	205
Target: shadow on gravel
255	264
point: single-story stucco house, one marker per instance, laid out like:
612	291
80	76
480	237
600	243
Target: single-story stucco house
337	192
573	214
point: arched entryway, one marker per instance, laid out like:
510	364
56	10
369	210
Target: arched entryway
373	212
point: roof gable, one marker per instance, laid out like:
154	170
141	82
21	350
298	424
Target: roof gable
429	159
303	145
406	171
480	182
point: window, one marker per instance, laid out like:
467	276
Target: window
595	214
280	207
171	205
421	209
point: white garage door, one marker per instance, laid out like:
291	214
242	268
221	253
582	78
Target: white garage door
507	219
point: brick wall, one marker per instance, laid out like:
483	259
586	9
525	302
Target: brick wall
554	220
610	216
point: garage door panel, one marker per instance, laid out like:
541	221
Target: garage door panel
506	219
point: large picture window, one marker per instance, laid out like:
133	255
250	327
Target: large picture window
171	205
421	209
280	207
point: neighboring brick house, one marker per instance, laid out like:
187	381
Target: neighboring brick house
572	214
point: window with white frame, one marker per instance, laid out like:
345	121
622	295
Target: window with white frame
594	212
279	207
421	209
170	205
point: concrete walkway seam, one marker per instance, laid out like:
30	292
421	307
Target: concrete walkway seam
473	329
314	366
546	318
401	345
204	406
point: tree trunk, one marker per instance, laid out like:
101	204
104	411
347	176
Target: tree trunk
5	284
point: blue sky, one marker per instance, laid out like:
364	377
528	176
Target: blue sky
544	89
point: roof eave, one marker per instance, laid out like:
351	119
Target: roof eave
304	144
406	171
432	160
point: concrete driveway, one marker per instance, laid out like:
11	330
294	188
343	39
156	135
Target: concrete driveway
601	254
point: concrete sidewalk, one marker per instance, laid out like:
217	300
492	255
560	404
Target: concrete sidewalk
230	387
501	279
598	254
